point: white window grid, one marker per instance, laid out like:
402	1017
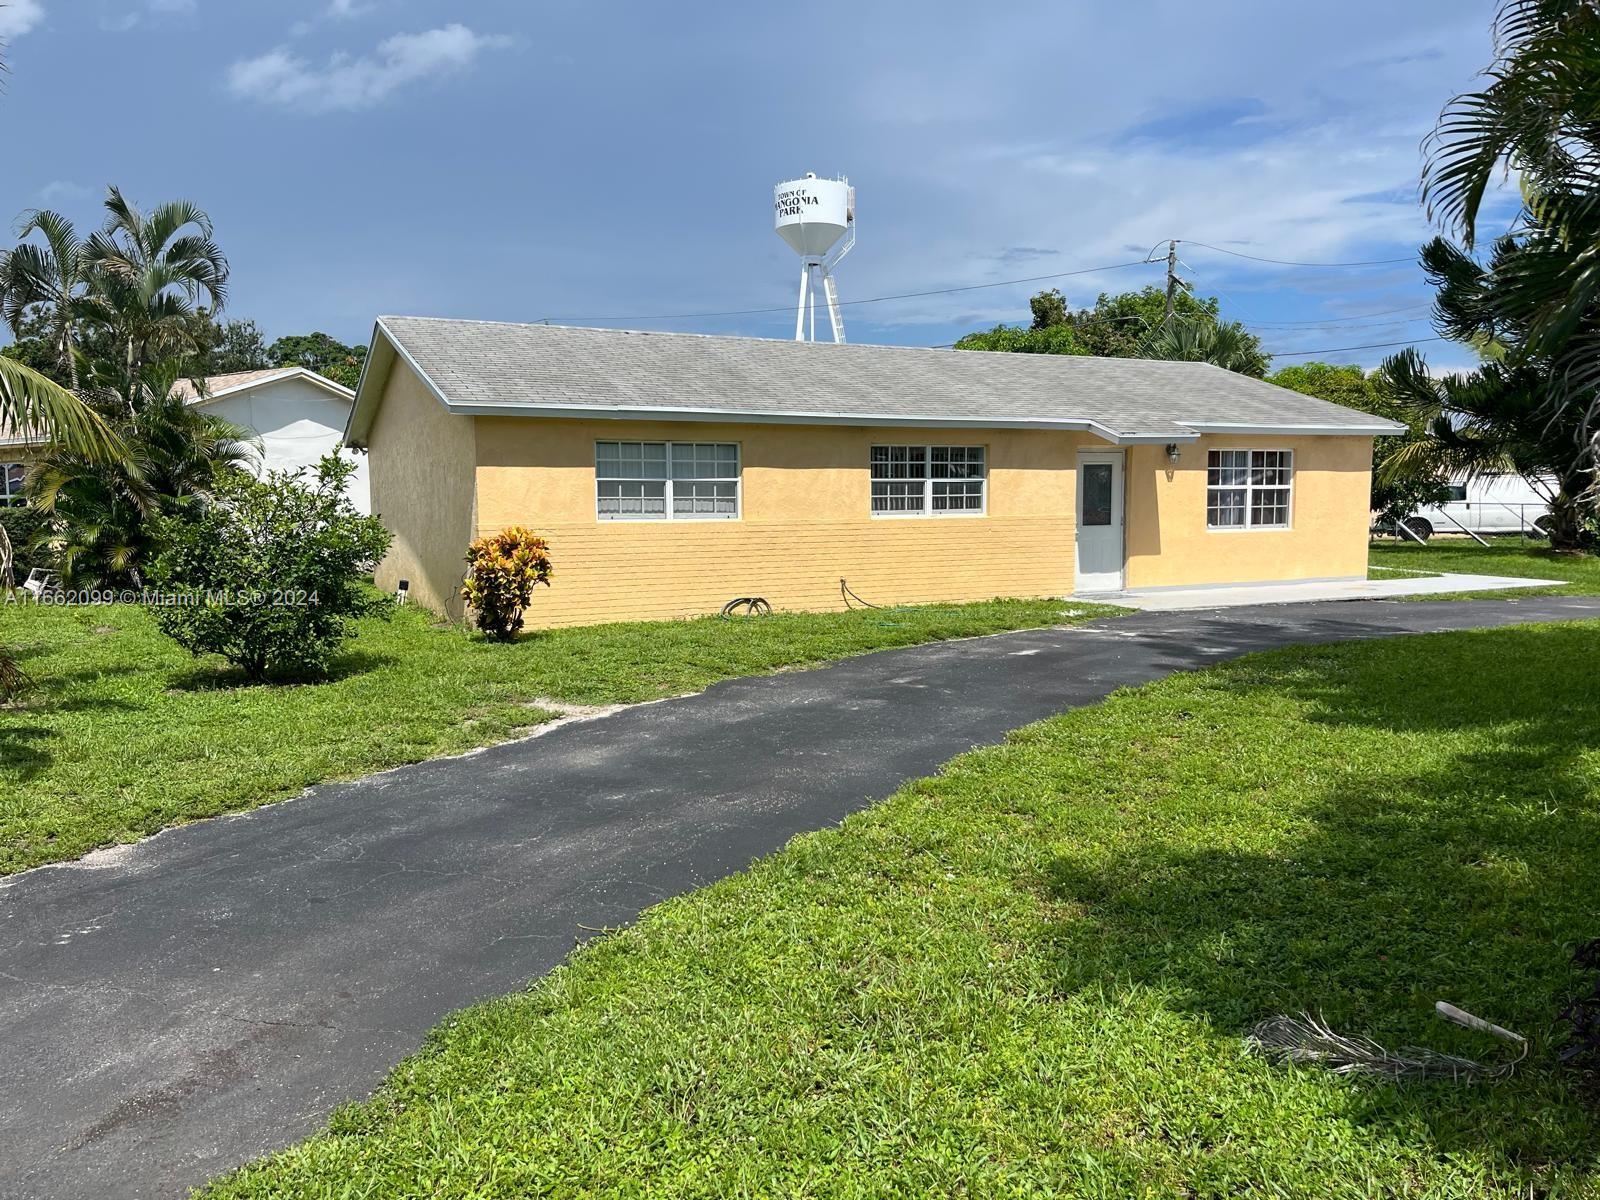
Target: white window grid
1249	489
11	477
667	481
929	481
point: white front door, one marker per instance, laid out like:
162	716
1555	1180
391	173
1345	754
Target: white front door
1100	521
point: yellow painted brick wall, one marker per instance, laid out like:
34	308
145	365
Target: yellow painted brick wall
805	523
439	480
1170	546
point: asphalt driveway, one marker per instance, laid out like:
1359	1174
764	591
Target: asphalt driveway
171	1009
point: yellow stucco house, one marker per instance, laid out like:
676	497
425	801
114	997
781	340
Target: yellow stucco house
674	472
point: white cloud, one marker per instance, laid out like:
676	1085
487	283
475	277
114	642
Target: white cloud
17	17
351	82
336	10
134	18
58	191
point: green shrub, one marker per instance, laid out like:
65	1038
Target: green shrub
269	573
23	525
503	571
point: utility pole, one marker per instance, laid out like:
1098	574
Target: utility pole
1172	280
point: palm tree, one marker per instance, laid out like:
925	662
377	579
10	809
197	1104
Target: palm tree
1538	116
106	512
36	406
1497	418
1203	338
150	269
1491	421
54	276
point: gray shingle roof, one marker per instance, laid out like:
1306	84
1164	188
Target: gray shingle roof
550	370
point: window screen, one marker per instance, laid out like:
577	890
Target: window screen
928	480
1248	489
665	481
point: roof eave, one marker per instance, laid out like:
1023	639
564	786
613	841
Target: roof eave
593	412
310	376
1376	427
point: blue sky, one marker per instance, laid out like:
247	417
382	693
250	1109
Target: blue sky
598	164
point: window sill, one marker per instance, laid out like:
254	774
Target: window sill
922	516
666	520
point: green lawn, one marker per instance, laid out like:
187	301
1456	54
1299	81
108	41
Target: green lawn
1503	556
1029	976
129	734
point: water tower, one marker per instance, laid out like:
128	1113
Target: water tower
813	215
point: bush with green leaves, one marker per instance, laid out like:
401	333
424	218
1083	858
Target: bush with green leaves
25	526
269	573
503	570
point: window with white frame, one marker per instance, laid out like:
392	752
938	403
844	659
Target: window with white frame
666	481
1248	489
934	481
11	475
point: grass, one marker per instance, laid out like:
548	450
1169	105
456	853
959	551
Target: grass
1030	975
1503	556
128	734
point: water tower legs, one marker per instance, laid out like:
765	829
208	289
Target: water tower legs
800	310
815	276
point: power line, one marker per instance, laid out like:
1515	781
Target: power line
1343	349
1283	262
971	287
1392	323
1340	320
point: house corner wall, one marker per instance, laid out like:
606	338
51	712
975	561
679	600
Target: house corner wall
423	464
1169	544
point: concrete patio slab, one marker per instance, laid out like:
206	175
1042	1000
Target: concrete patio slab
1313	590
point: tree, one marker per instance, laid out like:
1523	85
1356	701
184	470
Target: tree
33	404
1538	116
1193	338
1049	308
240	346
1128	325
150	270
320	353
104	514
1496	419
1396	493
53	278
1117	326
270	573
1053	339
33	346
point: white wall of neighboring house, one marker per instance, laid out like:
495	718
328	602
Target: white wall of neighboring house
297	420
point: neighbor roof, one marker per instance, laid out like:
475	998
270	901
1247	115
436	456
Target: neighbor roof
488	368
11	435
217	386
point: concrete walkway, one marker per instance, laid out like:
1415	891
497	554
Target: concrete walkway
1314	591
171	1009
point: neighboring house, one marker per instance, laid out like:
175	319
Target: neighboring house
673	472
296	415
16	452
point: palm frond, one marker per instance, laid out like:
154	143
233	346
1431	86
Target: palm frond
38	407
